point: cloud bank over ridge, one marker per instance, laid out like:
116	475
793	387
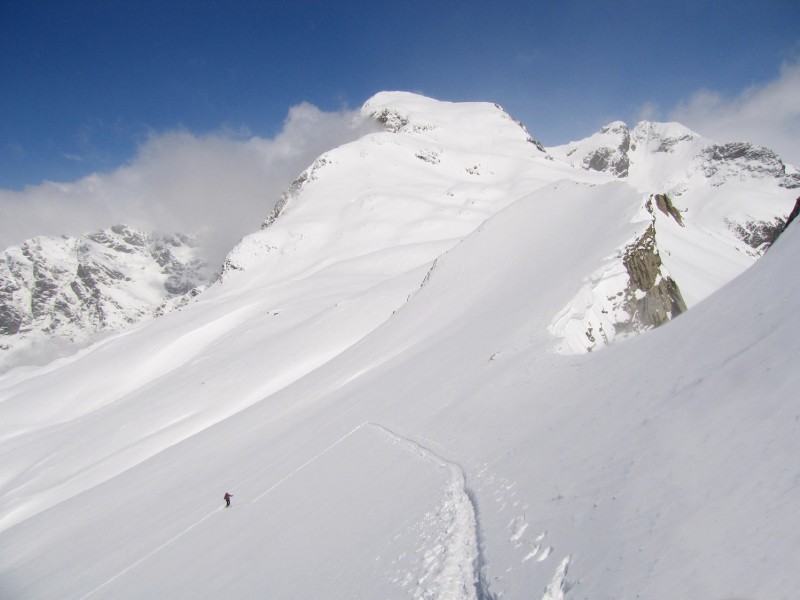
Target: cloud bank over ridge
222	185
219	186
767	114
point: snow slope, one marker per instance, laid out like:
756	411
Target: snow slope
387	409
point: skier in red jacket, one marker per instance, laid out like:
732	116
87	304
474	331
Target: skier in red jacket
227	497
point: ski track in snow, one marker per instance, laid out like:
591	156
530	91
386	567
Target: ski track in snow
454	564
151	553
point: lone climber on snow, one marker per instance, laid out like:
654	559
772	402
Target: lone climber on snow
227	497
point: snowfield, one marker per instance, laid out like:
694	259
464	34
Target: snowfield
376	381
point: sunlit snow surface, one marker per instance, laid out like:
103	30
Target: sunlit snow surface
374	381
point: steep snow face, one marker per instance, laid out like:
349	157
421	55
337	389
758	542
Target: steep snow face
60	292
434	173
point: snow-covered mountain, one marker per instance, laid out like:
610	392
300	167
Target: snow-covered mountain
57	293
376	380
712	209
459	166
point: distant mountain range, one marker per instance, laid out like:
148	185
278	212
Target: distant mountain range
57	293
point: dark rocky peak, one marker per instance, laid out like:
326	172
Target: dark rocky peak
607	159
613	154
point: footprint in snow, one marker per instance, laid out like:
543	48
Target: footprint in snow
517	526
545	553
532	554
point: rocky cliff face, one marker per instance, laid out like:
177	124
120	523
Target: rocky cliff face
630	293
651	297
73	288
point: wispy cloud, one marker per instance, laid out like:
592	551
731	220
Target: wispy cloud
767	114
220	185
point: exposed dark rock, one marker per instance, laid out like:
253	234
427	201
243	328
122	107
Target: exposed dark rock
130	236
429	156
743	157
391	119
789	220
293	190
664	203
790	182
793	215
667	144
759	235
530	139
651	298
10	319
612	160
73	287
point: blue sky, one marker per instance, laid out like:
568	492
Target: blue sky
195	115
85	82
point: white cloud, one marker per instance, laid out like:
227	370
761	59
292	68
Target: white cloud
219	185
768	114
648	112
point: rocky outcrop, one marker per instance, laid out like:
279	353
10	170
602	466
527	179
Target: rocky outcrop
723	161
793	215
759	235
651	298
530	139
611	159
630	293
294	190
790	219
664	203
391	119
